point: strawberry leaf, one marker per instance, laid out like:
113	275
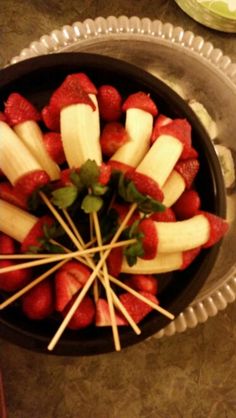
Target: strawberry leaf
89	173
76	180
91	203
65	196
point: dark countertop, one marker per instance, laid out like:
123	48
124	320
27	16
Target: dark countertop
188	375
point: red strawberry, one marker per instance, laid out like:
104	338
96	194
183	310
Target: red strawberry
118	166
181	129
51	118
146	283
114	261
54	147
105	174
83	80
122	210
141	101
112	137
109	103
167	215
161	120
145	185
150	239
38	302
189	153
3	117
189	256
83	316
7	244
67	94
187	205
68	280
30	182
65	179
135	307
103	318
12	195
14	280
18	109
36	233
188	170
218	228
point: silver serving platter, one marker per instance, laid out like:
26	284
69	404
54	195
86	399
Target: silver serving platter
203	73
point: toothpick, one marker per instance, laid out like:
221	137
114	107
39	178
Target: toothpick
73	227
29	286
58	257
107	286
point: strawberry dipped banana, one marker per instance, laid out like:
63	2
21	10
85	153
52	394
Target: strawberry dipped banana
23	117
76	104
22	226
18	164
140	111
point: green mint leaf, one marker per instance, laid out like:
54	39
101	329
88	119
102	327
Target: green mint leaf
65	196
52	231
151	205
98	189
53	248
91	203
76	180
89	173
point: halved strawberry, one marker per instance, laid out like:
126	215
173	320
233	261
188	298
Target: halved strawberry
150	239
68	280
140	100
218	228
135	307
181	129
83	316
103	318
38	303
67	94
109	103
187	205
18	109
7	244
114	261
145	184
161	120
13	195
51	118
33	238
83	80
30	182
105	174
146	283
54	147
14	280
112	137
188	170
166	215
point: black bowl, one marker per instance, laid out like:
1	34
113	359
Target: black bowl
36	78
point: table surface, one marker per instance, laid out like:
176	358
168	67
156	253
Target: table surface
189	375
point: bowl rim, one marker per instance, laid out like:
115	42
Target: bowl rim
35	64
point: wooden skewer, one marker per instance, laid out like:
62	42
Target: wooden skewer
25	256
141	297
107	286
117	301
73	227
59	257
89	282
29	286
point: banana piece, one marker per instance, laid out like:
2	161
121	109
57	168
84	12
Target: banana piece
80	133
15	222
30	134
16	159
173	188
138	125
162	263
182	235
161	158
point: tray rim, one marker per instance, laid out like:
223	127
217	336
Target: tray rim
112	27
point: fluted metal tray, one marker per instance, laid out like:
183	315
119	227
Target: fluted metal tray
201	72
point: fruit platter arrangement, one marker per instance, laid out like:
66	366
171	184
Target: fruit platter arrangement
101	200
